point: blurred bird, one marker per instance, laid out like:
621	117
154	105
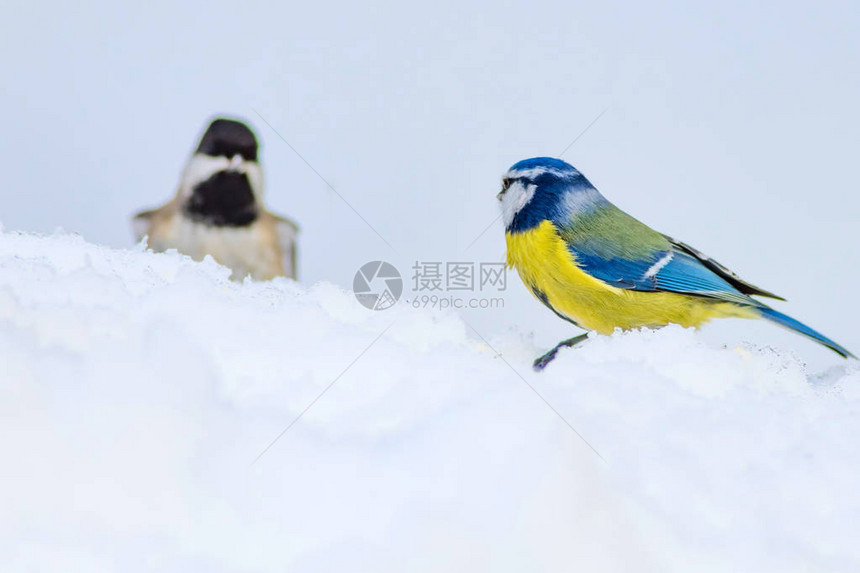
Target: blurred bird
218	210
600	269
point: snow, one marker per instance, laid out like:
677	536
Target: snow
138	390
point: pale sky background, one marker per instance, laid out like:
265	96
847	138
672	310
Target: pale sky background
732	127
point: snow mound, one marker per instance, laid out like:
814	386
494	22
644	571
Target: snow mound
139	390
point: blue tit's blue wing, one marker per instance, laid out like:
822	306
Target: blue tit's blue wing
667	271
722	271
616	248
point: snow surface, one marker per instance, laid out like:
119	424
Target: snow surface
138	389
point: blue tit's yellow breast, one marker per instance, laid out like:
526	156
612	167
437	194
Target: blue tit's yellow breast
549	270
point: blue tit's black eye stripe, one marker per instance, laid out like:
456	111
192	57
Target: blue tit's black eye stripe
508	181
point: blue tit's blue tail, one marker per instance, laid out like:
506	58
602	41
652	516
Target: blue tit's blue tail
797	326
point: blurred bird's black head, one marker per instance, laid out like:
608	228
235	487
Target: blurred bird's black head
228	138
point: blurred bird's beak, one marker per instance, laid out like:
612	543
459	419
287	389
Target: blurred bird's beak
236	163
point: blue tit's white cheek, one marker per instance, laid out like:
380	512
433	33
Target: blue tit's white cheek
515	199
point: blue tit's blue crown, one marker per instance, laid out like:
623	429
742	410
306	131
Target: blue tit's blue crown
560	193
549	163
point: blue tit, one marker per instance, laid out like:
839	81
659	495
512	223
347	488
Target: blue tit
597	267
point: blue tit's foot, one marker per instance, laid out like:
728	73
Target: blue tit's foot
541	362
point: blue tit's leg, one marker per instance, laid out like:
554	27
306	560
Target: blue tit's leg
541	362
